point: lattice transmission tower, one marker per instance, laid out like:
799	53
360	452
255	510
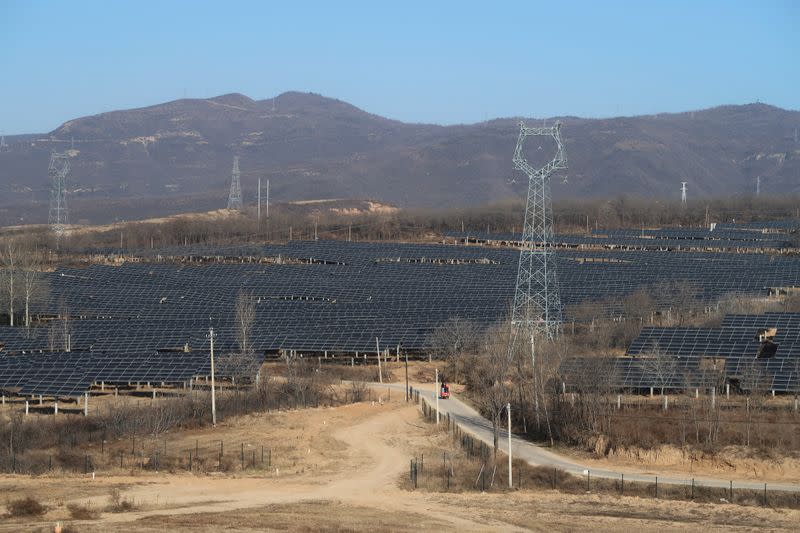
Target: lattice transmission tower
57	171
537	303
235	196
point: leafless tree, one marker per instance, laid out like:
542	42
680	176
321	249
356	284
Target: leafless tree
32	283
488	376
455	339
660	366
9	275
755	383
60	330
245	316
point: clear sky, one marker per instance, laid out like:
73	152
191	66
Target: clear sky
422	61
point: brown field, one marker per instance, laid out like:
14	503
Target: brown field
343	469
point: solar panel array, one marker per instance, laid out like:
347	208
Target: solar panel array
673	239
71	374
315	296
738	352
339	296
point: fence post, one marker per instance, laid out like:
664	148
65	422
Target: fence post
656	486
692	489
730	492
588	485
555	473
242	456
622	485
765	494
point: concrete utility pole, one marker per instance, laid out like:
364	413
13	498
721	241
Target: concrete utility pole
683	193
407	376
213	391
378	353
267	200
258	209
510	480
436	392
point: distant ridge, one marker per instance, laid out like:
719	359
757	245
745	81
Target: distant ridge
311	146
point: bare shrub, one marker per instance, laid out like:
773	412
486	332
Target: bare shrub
117	503
82	512
357	392
25	507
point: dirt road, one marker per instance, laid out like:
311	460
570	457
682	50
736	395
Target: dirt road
362	491
472	422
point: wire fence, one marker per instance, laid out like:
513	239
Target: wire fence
473	466
152	454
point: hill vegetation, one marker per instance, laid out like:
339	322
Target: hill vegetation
176	157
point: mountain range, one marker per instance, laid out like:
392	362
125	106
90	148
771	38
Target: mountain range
177	156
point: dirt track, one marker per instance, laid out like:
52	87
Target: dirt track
362	492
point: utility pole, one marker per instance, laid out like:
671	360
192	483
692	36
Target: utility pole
378	353
213	391
708	222
510	480
258	209
758	185
683	193
436	392
267	199
406	375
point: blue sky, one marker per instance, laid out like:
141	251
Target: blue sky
443	62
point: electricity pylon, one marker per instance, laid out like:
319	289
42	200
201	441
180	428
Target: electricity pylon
59	168
537	304
235	196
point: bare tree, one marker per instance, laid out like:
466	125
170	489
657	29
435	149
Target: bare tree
60	330
245	316
33	285
9	275
488	376
455	339
660	366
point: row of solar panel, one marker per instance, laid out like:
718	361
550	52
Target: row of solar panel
71	374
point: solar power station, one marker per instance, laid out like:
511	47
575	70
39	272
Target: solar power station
146	320
748	353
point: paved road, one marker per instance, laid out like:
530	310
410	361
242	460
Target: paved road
472	422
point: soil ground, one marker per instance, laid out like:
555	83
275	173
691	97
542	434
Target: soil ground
345	472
